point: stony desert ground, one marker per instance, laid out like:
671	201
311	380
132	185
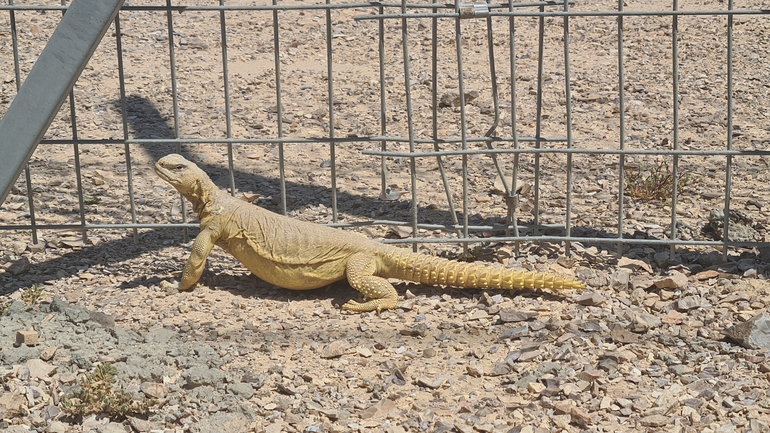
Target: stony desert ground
658	342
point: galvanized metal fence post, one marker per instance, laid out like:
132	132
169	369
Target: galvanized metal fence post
49	82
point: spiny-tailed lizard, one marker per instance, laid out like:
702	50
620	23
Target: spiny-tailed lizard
300	255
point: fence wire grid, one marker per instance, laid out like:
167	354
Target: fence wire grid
549	104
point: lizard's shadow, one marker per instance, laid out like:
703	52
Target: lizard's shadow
250	287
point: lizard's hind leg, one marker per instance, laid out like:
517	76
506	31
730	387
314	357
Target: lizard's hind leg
380	293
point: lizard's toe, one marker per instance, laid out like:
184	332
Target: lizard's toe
353	306
374	304
169	286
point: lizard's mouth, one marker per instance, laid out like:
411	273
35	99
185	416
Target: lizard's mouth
162	172
172	169
169	176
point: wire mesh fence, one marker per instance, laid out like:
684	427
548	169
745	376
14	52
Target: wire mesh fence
553	121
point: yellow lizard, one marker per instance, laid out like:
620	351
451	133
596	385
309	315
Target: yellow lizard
300	255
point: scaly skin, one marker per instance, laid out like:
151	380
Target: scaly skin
299	255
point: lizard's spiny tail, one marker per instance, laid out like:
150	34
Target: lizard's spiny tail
431	270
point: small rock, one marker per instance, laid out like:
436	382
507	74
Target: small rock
609	365
674	281
379	410
452	99
654	421
634	264
500	369
620	355
535	387
364	351
751	273
514	333
102	318
60	427
143	426
592	277
402	232
39	369
332	414
491	300
662	259
605	403
753	333
590	326
474	370
739	226
48	353
706	275
243	390
620	279
153	390
443	427
19	266
580	417
418	330
286	388
641	321
434	383
591	299
98	177
223	422
688	303
529	355
673	317
563	407
276	427
562	421
13	405
477	315
335	349
642	282
508	315
621	335
200	376
18	247
27	338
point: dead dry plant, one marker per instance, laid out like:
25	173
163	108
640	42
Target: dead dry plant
97	395
655	181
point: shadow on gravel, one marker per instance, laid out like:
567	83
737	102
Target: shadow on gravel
116	256
146	121
341	292
112	255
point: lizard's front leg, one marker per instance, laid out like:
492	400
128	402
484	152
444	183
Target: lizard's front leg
193	269
360	271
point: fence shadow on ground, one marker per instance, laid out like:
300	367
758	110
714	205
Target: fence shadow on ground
146	121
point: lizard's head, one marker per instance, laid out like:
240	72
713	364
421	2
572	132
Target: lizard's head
184	175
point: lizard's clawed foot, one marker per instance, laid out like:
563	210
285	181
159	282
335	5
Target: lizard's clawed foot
371	305
169	286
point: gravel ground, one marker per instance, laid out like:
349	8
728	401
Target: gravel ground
657	343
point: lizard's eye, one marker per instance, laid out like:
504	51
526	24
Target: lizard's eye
178	167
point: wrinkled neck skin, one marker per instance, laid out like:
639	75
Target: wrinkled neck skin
203	197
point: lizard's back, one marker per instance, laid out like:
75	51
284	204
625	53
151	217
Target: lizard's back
282	251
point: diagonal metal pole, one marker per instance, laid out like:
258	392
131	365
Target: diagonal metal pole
49	82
